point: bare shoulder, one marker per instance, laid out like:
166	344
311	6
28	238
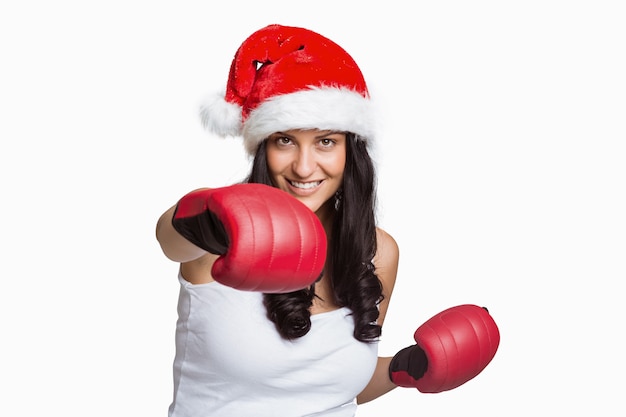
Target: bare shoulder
387	250
198	271
386	263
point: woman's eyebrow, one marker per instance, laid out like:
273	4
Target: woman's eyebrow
328	133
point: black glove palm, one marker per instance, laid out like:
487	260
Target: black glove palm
196	223
407	366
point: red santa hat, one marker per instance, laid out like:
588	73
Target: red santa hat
285	78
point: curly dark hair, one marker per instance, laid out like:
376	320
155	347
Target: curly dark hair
354	282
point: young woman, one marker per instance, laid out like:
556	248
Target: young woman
302	107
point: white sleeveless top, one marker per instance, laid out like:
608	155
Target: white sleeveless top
231	362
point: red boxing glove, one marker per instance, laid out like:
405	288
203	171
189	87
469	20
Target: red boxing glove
453	347
268	240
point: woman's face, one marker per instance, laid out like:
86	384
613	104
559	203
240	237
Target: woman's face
308	164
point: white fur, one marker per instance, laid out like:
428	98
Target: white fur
220	117
317	108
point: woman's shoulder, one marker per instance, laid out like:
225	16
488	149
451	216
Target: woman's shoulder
387	253
385	243
386	264
198	271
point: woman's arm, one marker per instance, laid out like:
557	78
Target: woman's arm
174	246
195	263
379	384
386	263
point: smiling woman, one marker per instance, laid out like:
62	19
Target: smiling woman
292	257
301	104
307	164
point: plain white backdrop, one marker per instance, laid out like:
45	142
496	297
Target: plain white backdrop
501	175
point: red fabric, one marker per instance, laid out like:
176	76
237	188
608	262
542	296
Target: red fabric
289	59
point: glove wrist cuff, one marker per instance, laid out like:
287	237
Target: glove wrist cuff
407	366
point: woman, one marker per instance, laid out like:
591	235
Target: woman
303	108
321	159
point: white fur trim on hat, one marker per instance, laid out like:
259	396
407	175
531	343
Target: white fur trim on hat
324	108
220	116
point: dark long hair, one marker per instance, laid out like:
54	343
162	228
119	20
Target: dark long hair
352	248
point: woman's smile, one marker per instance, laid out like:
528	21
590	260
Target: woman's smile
304	187
308	164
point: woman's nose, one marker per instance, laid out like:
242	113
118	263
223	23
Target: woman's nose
304	164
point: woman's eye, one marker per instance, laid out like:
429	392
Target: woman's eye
282	140
327	142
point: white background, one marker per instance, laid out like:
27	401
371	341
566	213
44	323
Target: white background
501	176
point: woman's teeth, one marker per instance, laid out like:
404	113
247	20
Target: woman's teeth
305	185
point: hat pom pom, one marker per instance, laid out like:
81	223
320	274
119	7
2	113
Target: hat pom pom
220	116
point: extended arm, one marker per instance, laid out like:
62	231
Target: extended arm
261	238
173	244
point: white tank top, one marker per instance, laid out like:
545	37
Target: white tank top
231	362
